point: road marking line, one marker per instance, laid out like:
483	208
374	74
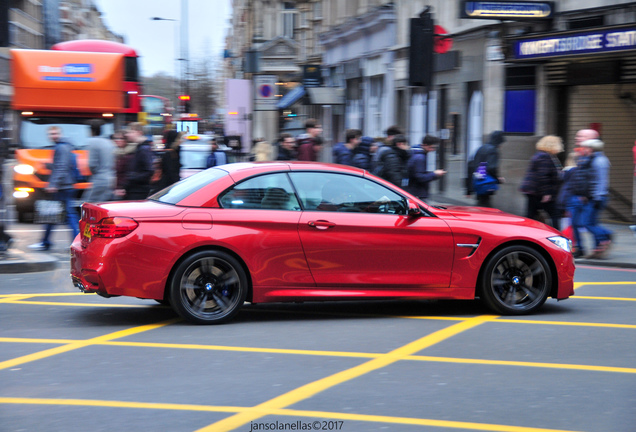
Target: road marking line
308	390
604	298
587	368
49	294
14	298
361	355
105	305
261	412
81	344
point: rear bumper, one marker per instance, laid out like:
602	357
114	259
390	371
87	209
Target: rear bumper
118	267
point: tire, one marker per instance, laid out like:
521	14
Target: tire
516	281
208	287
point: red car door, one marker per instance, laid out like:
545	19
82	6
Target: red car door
367	238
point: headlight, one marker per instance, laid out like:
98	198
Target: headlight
562	242
24	169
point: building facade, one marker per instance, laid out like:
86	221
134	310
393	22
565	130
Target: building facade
572	65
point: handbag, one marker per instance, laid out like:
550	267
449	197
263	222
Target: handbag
49	212
484	183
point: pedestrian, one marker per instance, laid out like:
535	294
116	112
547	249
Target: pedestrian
263	151
61	181
343	152
124	152
308	144
394	161
5	239
363	153
384	146
486	159
419	175
542	180
101	162
170	160
286	148
633	227
599	195
141	164
565	194
216	156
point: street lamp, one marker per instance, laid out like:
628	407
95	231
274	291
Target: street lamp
177	58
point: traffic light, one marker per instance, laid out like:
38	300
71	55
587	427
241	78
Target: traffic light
421	50
185	102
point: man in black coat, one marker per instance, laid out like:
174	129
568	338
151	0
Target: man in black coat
141	165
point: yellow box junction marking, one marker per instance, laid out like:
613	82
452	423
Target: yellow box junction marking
279	412
311	389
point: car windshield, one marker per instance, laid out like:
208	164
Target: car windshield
33	131
180	190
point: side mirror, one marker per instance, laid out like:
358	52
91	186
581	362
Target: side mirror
414	210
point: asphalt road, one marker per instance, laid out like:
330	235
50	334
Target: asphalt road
78	362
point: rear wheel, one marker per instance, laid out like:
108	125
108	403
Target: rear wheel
516	281
208	287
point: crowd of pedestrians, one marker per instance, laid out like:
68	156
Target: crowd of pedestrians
571	197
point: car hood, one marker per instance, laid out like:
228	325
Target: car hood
489	215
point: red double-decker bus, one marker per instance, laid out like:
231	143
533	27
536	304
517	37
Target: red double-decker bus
131	84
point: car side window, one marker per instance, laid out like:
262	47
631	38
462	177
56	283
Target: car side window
265	192
346	193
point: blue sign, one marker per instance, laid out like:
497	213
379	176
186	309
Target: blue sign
78	69
589	42
511	10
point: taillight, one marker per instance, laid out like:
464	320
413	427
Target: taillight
113	227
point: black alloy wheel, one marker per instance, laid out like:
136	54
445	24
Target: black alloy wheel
208	287
517	280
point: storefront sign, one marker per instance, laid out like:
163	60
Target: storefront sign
510	10
589	42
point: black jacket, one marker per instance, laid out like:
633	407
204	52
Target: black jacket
140	171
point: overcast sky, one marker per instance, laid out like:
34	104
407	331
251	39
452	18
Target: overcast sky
155	40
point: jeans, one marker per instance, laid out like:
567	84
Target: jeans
72	218
592	210
576	207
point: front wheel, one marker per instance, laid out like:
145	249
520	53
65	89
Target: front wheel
517	280
208	287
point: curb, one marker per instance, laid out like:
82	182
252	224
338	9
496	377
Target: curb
12	263
604	263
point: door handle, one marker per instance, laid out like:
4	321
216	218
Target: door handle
321	224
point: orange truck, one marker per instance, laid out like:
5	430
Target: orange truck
65	89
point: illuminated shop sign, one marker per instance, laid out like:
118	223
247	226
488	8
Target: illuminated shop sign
510	10
590	42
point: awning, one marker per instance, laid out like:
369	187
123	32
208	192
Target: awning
326	95
291	98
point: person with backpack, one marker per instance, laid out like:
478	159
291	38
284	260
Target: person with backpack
63	176
485	163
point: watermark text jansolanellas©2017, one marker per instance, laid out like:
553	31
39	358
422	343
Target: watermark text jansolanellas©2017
298	425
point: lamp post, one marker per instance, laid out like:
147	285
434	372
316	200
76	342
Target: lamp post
177	59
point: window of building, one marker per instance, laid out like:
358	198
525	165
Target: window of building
520	99
289	14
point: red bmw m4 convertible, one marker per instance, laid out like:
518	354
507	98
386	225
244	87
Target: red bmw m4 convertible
298	231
